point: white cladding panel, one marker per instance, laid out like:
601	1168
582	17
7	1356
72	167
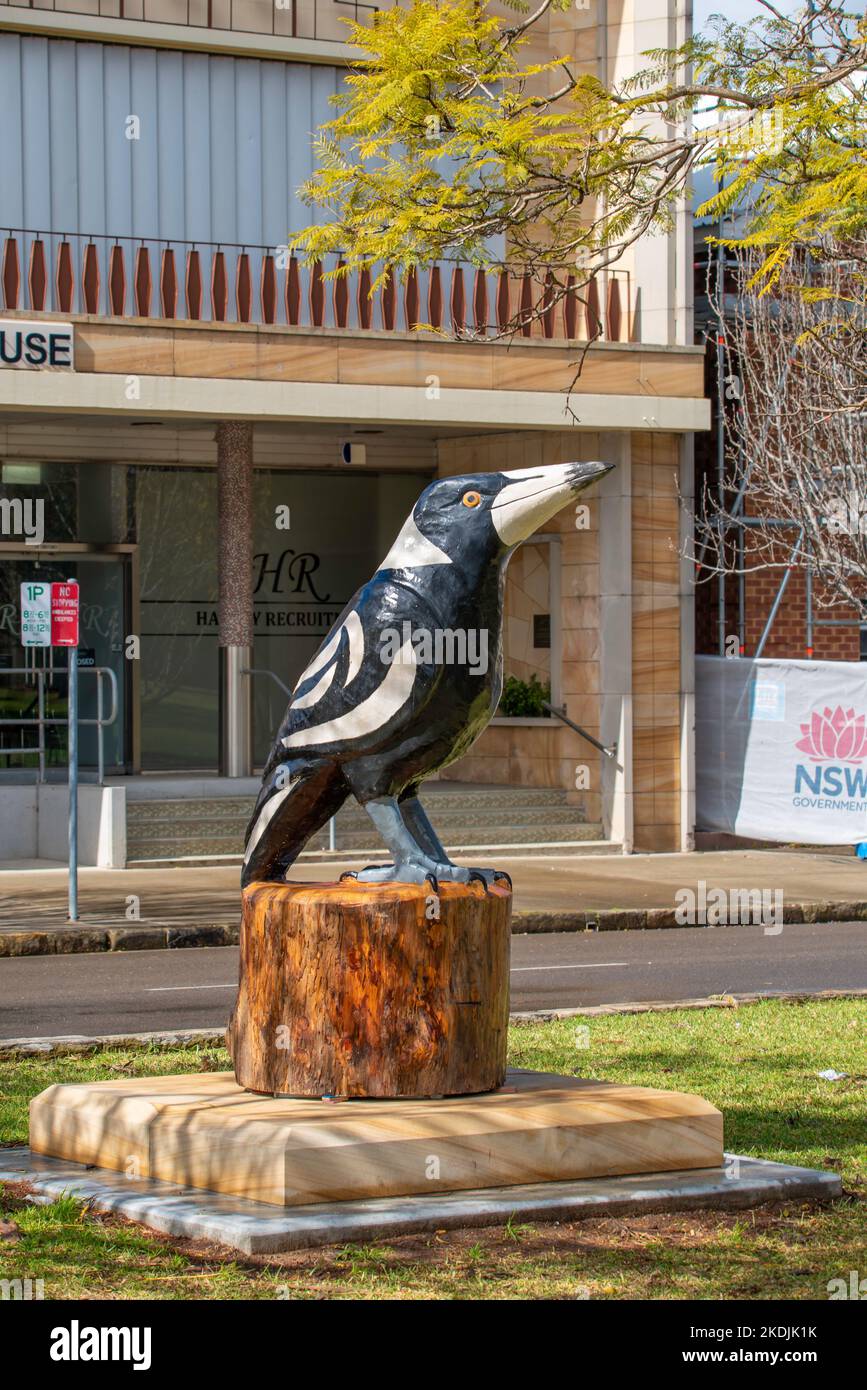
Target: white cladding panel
223	142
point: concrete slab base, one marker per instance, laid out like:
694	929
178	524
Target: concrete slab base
203	1130
259	1228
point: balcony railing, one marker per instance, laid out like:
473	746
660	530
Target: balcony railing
126	277
288	19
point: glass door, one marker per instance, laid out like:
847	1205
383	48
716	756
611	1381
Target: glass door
105	594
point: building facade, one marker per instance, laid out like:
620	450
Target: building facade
238	439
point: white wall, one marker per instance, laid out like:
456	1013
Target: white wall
34	824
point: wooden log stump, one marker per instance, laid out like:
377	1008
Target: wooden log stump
353	989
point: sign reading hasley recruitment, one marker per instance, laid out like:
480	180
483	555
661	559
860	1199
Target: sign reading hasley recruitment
781	749
36	346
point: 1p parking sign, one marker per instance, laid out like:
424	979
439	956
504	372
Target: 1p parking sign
35	614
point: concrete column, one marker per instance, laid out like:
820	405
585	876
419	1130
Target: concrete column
615	637
235	573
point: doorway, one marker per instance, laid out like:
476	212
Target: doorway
105	578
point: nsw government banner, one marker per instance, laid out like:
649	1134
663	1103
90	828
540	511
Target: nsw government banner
781	749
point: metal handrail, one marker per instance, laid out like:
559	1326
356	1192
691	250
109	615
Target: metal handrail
610	749
110	274
39	673
263	671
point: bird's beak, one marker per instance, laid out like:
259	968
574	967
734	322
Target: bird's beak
533	495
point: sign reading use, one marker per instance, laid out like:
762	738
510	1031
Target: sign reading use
36	346
49	614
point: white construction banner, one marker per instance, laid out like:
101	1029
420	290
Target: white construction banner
781	749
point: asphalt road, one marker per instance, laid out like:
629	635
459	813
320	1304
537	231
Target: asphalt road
142	991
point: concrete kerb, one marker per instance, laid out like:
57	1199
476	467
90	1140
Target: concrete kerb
72	940
213	1037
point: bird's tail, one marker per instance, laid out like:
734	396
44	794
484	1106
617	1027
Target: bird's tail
295	801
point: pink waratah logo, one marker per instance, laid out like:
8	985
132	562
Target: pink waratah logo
834	736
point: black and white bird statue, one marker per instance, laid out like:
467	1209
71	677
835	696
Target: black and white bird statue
408	677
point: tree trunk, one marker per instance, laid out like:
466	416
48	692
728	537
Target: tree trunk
353	989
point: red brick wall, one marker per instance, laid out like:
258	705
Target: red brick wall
788	634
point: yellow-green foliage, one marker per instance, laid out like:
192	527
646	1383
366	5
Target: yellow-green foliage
444	138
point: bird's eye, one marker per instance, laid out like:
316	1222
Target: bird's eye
471	499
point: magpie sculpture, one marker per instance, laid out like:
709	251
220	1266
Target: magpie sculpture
408	677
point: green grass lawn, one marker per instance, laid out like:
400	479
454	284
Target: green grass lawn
759	1064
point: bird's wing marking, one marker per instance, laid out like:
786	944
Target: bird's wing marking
326	662
315	691
321	658
266	815
411	550
372	713
355	632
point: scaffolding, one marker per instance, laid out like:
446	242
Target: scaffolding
733	517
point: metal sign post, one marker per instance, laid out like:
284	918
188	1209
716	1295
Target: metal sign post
64	633
73	784
49	618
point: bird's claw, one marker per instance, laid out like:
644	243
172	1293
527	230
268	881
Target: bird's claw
476	876
434	882
489	876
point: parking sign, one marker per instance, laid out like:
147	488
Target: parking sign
49	614
35	614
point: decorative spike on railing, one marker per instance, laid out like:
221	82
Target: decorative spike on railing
193	285
614	313
37	279
219	287
594	322
169	284
504	299
90	279
547	304
365	303
143	284
116	281
526	309
317	295
65	278
341	297
293	293
457	301
411	299
480	302
435	298
11	274
570	308
268	290
244	288
388	299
